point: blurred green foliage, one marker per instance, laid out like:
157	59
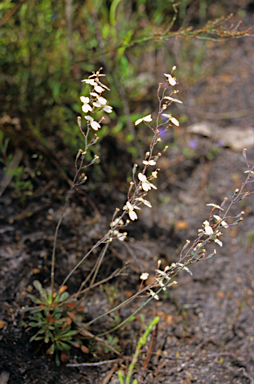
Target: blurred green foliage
47	47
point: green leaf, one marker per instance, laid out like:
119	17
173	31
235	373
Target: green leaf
66	347
71	333
64	296
51	349
61	346
34	299
57	360
33	324
42	291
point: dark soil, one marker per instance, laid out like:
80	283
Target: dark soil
206	332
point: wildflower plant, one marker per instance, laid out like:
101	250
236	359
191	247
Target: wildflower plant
57	316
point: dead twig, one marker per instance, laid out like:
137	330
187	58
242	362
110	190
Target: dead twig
98	363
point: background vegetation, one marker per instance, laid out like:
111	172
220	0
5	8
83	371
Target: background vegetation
47	47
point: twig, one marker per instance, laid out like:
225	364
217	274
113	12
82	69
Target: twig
97	364
246	375
109	375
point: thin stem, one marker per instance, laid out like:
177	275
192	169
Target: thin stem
53	258
97	269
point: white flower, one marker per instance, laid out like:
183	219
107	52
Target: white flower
146	119
146	185
215	206
172	119
170	79
207	229
120	236
172	99
90	82
117	221
218	242
153	294
145	202
102	100
93	123
107	108
155	174
185	268
144	276
99	89
132	214
150	162
222	222
86	107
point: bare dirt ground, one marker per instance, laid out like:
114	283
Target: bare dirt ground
206	332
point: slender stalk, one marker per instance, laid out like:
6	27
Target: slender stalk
97	269
53	258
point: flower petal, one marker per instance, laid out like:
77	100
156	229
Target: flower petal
99	89
147	118
133	216
138	121
95	125
86	108
107	108
84	99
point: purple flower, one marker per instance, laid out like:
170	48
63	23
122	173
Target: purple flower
162	132
220	143
193	144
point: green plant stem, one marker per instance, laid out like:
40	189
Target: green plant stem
141	342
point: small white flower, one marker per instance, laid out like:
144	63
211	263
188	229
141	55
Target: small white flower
153	294
146	119
185	268
86	107
145	202
97	104
93	123
170	79
107	108
144	276
155	174
174	121
172	99
215	206
132	214
146	185
150	162
99	89
121	236
222	222
117	221
90	82
102	100
207	229
218	242
171	118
